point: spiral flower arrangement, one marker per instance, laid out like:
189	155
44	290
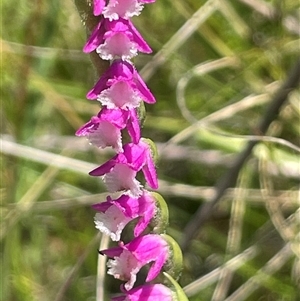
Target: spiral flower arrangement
121	91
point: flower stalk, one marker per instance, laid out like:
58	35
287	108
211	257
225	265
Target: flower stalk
121	93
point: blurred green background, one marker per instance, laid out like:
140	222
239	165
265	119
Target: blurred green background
236	57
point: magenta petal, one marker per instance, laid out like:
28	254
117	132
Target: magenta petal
146	292
121	159
112	252
148	96
157	266
85	129
95	39
122	69
146	247
104	168
129	205
147	1
117	117
133	126
99	86
99	5
137	38
120	25
135	155
101	207
147	212
149	172
141	226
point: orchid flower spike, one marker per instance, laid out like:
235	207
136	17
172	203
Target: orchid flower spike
121	92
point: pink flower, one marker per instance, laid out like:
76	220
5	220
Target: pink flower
121	87
120	171
113	215
147	292
128	259
116	9
116	39
105	129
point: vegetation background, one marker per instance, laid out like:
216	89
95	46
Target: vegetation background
215	68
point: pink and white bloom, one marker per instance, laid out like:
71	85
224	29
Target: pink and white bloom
146	292
105	129
128	259
116	9
120	171
121	87
116	39
114	215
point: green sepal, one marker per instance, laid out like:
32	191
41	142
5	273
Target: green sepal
161	219
174	265
176	288
141	112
